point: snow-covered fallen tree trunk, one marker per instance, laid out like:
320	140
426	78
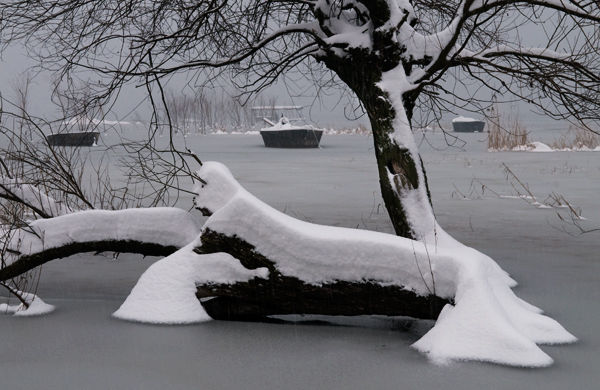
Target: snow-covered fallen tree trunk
255	299
249	261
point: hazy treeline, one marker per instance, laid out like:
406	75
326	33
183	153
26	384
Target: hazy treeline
205	112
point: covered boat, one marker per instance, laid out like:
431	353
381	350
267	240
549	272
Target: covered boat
467	125
80	138
285	135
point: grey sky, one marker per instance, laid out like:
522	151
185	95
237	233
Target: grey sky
328	111
14	63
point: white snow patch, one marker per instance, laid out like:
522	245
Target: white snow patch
580	148
541	147
36	307
534	147
165	293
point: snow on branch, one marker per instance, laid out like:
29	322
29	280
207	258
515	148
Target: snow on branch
32	197
453	46
155	231
570	7
505	50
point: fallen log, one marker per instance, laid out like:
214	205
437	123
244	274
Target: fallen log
256	299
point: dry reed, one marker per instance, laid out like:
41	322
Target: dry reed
506	135
577	138
360	129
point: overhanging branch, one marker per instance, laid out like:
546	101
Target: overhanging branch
28	262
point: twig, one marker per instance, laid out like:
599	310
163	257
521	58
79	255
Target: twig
16	293
510	173
419	268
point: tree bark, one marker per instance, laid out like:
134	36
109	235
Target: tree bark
399	165
279	294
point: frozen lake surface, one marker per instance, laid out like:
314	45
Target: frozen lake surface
81	346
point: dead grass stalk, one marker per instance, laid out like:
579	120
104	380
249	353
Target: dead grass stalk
505	134
577	138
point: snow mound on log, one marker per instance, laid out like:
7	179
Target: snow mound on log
319	254
165	293
487	323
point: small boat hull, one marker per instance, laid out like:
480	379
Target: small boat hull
468	127
293	138
73	139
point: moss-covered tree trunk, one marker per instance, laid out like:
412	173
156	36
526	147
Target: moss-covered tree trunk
402	176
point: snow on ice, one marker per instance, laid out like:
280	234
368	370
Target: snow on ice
487	322
540	147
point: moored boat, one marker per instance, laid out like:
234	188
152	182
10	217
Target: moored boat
467	125
81	138
285	135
